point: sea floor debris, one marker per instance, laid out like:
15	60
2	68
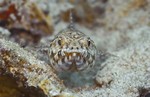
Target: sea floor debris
118	27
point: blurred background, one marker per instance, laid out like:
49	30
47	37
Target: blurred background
112	24
29	22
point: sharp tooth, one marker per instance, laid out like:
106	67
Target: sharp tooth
74	54
66	60
81	60
69	57
78	58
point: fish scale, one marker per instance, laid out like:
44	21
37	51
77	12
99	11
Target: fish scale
72	50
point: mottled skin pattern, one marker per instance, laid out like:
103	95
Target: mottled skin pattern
72	50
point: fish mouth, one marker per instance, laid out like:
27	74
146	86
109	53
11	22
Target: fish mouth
72	61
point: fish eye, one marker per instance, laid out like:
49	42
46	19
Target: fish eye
59	42
89	42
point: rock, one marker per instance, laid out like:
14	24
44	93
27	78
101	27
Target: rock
26	71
